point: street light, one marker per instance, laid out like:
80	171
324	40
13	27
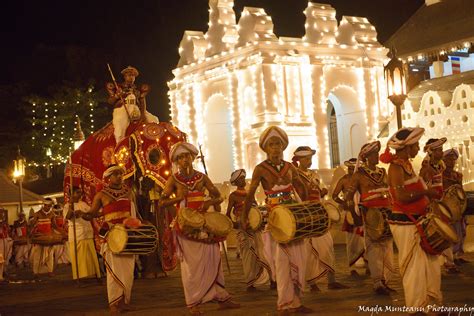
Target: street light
396	84
78	136
19	174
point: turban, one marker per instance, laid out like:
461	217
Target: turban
304	151
435	143
273	131
131	70
181	148
397	144
451	152
413	137
108	172
350	163
367	149
236	175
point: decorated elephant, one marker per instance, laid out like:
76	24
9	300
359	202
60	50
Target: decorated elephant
144	153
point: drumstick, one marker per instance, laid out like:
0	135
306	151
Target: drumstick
225	256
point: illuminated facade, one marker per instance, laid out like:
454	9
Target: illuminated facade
326	89
440	66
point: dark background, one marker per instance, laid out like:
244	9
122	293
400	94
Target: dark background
47	43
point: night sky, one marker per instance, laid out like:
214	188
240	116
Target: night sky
144	33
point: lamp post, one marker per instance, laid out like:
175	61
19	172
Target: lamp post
19	174
396	84
78	136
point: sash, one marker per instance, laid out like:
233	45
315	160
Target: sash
417	207
117	211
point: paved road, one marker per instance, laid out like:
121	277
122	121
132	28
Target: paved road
164	296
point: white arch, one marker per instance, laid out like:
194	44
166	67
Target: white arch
218	135
349	113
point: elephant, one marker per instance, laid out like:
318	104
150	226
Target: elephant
144	154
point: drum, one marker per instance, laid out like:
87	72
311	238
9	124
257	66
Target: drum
440	210
47	239
376	224
217	225
290	222
190	221
333	211
132	241
438	234
257	217
456	201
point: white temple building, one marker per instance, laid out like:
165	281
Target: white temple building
436	43
326	89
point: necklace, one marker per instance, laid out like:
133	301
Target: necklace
116	193
277	167
191	181
405	164
376	175
438	166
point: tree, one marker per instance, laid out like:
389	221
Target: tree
53	121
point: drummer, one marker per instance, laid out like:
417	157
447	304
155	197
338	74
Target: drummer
256	269
280	180
431	171
116	202
321	259
355	245
370	182
420	271
6	243
201	269
452	177
20	236
42	224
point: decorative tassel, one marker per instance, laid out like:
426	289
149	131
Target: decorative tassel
387	156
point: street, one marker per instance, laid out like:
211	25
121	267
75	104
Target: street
164	296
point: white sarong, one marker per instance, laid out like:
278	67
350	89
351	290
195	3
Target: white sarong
120	270
421	272
269	250
201	271
256	269
22	253
320	258
42	259
290	264
379	255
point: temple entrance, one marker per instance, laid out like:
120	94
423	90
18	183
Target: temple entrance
218	139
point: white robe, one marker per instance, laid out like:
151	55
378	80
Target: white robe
421	272
321	259
269	250
120	270
119	275
201	271
379	256
290	265
22	253
5	254
120	119
42	259
256	269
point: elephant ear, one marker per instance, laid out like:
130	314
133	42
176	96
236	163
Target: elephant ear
151	143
